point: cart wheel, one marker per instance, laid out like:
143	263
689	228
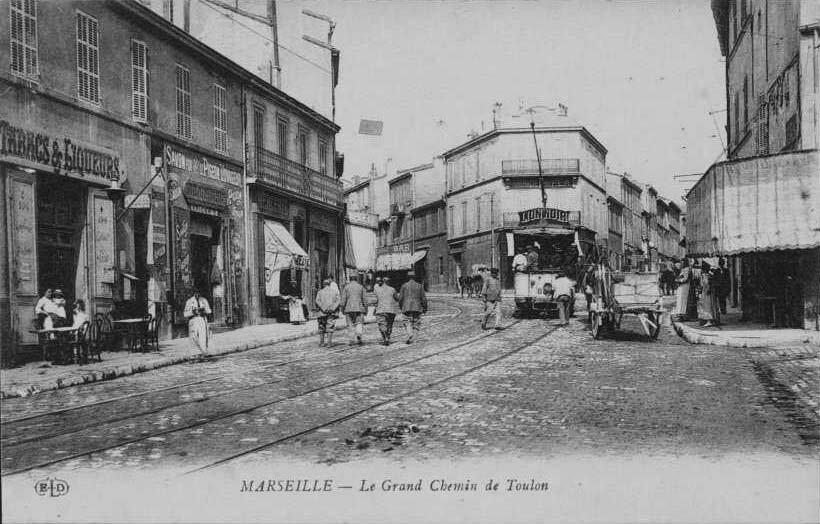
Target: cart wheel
595	325
656	321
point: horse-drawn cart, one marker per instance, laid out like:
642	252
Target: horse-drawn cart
638	294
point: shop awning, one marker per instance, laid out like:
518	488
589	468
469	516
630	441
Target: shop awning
399	261
757	204
281	249
360	248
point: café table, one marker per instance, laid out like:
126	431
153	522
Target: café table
56	337
133	329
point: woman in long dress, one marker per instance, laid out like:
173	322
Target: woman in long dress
295	310
705	298
683	281
196	311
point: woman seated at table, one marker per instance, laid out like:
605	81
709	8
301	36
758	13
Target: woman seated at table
80	316
55	311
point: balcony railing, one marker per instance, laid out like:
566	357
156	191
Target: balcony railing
282	173
549	166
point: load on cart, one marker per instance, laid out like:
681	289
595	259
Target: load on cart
614	296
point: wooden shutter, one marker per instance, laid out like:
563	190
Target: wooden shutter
220	119
763	126
23	38
183	82
22	223
88	58
103	255
139	81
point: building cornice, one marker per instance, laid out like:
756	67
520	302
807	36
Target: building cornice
519	130
155	22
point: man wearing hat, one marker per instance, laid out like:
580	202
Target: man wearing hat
491	295
353	303
532	258
386	308
413	303
327	302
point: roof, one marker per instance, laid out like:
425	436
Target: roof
356	186
156	22
517	130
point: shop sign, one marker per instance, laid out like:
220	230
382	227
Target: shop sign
138	202
200	165
58	154
203	210
543	213
395	248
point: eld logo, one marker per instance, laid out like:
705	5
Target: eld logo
51	487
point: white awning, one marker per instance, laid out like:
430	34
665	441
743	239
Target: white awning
399	261
281	249
360	248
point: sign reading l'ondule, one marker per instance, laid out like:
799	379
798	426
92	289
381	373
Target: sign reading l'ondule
543	213
59	155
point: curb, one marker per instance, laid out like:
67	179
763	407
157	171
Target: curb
125	370
695	336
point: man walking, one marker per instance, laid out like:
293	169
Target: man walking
562	287
353	303
327	302
491	295
386	308
413	303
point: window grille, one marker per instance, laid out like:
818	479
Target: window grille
23	39
88	58
183	78
139	81
220	119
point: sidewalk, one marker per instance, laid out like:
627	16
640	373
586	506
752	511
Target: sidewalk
735	333
39	376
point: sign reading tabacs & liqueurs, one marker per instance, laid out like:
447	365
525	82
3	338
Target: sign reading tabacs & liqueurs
61	155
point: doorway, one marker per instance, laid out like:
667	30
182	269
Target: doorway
206	275
61	218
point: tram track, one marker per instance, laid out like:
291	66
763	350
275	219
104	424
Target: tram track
232	413
372	407
33	418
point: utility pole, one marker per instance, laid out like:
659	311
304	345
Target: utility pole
540	173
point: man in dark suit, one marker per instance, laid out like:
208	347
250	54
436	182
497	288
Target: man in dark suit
353	304
413	303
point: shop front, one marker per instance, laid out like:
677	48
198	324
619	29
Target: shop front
761	214
206	219
59	226
396	260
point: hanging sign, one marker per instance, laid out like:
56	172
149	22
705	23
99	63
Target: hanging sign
189	162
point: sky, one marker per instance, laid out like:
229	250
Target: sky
641	76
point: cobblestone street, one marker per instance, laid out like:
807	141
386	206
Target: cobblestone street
532	390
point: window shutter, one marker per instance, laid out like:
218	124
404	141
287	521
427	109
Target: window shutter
183	81
23	38
88	58
139	81
763	127
220	119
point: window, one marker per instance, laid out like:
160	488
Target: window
24	38
303	143
737	118
434	221
745	102
464	218
139	81
478	214
450	228
440	265
183	102
282	136
323	156
220	119
88	58
258	136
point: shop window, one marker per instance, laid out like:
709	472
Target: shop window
139	81
183	89
88	58
220	119
24	38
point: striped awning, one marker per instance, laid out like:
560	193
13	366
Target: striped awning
399	261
